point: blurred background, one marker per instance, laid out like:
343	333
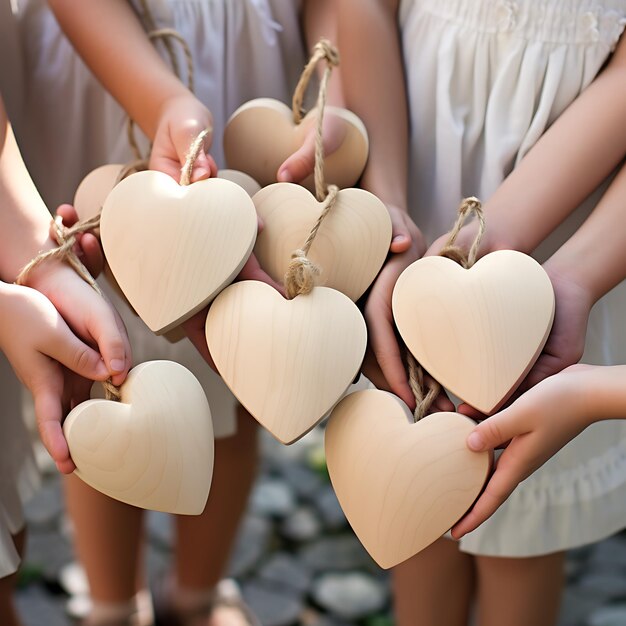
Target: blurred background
296	559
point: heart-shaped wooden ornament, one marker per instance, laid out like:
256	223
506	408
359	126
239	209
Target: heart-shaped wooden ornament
477	331
93	190
286	361
350	246
261	134
401	485
242	179
173	248
154	448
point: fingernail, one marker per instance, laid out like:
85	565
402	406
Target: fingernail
398	238
117	365
284	176
475	442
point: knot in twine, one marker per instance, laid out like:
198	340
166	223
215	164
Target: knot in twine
302	273
425	389
66	239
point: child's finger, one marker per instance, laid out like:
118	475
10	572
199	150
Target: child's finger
112	341
47	394
500	486
300	164
497	429
387	352
68	214
400	235
70	351
92	255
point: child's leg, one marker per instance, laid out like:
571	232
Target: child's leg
205	541
520	591
8	614
108	542
434	587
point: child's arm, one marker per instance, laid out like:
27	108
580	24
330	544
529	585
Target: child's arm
584	269
570	160
373	86
134	73
539	424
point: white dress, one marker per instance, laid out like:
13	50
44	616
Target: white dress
19	477
485	80
242	49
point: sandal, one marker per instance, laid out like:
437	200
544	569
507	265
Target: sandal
225	599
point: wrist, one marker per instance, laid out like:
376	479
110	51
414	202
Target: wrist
565	271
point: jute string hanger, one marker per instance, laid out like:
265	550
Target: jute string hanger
426	389
302	273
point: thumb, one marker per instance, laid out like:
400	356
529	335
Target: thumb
400	235
300	164
495	430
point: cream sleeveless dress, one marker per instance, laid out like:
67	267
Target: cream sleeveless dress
19	477
485	80
242	49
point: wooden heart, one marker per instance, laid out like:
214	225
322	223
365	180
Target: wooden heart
286	361
93	190
351	244
96	186
477	331
154	449
401	485
261	134
172	249
243	180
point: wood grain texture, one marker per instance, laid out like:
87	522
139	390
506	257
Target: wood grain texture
477	331
261	134
172	249
154	449
286	361
96	186
351	244
401	485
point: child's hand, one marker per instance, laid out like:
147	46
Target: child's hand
566	342
181	120
301	163
88	314
88	248
38	342
379	315
538	424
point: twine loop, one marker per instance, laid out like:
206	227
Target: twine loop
425	390
301	275
467	207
